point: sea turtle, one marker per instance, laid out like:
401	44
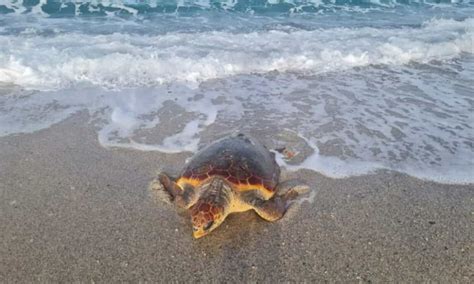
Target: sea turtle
233	174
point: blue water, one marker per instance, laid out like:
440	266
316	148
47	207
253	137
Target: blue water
352	86
67	8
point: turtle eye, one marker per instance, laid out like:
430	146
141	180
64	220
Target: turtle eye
208	225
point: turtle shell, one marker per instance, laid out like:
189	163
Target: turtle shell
240	159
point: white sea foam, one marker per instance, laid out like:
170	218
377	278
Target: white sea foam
361	98
134	7
120	61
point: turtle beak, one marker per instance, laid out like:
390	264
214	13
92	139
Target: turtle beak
199	234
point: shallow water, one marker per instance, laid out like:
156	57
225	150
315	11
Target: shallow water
352	86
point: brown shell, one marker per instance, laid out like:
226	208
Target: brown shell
239	159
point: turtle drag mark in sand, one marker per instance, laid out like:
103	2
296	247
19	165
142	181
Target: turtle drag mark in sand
234	174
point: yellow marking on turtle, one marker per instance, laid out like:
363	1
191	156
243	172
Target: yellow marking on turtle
191	181
238	206
266	194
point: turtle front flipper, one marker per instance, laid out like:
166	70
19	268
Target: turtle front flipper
272	209
182	197
293	187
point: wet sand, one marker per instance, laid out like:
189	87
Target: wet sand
71	210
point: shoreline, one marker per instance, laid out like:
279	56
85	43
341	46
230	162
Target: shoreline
71	210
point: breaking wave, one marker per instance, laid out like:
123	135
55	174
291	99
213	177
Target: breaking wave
60	8
350	86
118	60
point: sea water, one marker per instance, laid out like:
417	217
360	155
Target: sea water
364	85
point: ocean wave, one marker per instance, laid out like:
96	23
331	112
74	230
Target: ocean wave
118	60
414	118
60	8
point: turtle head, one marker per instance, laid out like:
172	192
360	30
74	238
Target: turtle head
206	217
210	210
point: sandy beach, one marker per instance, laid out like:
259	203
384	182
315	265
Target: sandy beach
373	101
72	210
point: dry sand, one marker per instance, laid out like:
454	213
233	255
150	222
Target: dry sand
71	210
